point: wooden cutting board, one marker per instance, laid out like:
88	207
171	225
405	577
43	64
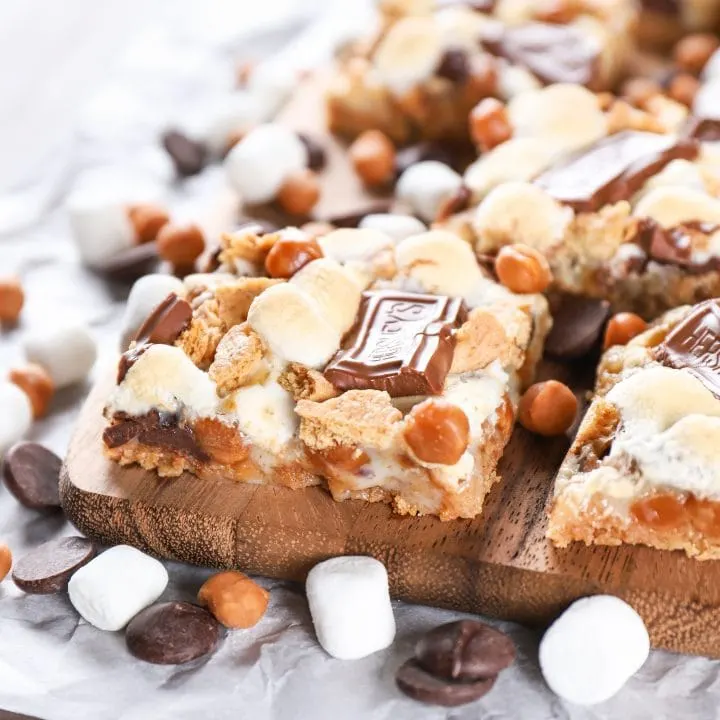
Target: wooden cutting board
498	564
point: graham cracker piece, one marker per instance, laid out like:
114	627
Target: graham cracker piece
304	383
246	246
357	417
234	298
238	359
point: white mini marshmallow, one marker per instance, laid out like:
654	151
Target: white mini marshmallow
146	294
350	606
398	227
426	185
115	586
261	162
67	351
16	415
673	205
705	103
711	70
237	111
593	649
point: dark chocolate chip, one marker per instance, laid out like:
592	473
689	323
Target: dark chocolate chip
454	66
317	158
48	569
188	156
578	323
465	650
421	685
32	474
172	633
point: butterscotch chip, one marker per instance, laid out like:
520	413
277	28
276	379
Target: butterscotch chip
373	156
622	328
234	599
522	269
693	51
437	432
548	408
238	360
223	443
147	219
5	561
489	124
291	252
300	192
12	299
683	88
304	383
180	245
35	382
357	417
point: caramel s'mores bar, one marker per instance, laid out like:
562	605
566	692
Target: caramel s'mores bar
432	62
627	212
645	465
385	371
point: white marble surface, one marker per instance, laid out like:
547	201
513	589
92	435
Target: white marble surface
87	85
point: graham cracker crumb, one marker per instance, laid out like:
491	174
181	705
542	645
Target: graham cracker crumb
238	360
357	417
234	299
245	246
304	383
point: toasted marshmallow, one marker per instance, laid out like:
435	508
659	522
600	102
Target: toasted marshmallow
516	159
426	185
523	213
567	116
398	227
672	205
409	53
146	294
16	416
293	325
261	162
66	351
439	262
164	378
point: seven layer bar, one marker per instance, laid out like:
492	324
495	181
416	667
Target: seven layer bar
645	465
322	378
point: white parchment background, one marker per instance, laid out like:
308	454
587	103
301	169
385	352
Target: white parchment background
54	666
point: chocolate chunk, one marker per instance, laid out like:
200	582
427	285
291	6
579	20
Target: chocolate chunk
454	66
120	433
673	246
694	345
457	202
464	650
553	53
188	156
457	155
352	220
704	129
421	685
166	322
48	569
172	633
317	157
401	342
128	359
132	263
578	323
613	168
32	474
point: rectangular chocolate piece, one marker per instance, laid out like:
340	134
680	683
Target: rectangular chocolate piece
695	345
613	168
401	342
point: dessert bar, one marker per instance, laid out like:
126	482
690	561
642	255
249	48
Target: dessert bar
387	372
431	63
644	465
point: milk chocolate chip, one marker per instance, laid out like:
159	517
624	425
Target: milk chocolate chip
172	633
578	323
32	474
188	156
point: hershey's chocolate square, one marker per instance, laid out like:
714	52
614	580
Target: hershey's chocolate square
401	342
694	344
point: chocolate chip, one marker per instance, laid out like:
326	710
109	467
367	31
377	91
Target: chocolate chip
578	323
48	569
465	650
457	155
32	474
132	263
172	633
317	158
166	322
352	220
454	66
421	685
188	156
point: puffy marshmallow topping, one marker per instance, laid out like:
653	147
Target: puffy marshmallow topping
409	53
678	173
293	326
567	116
440	262
671	206
523	213
426	185
398	227
146	294
261	162
351	245
164	378
513	80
